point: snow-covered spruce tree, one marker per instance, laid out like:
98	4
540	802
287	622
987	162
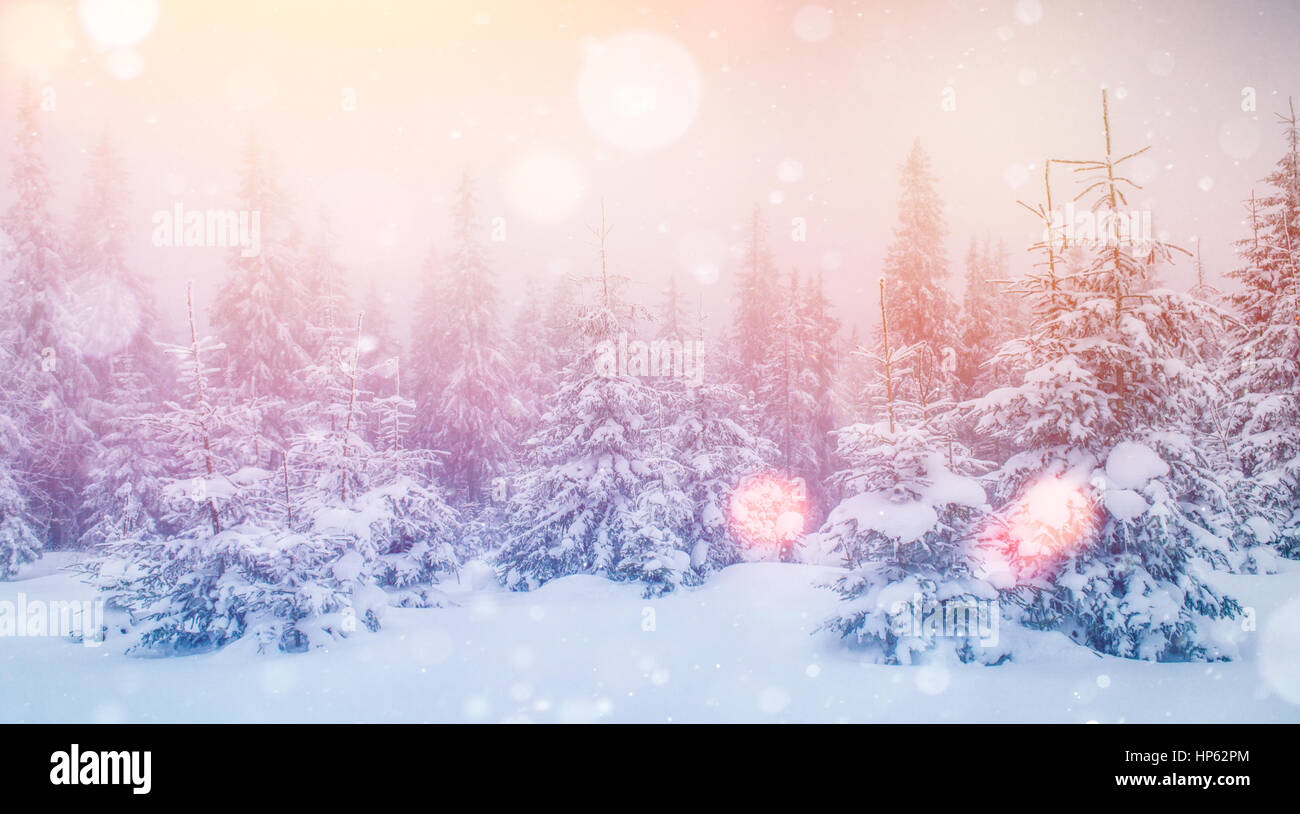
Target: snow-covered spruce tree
534	361
46	381
852	386
420	537
261	315
1238	512
125	493
116	317
330	450
231	568
821	346
987	319
112	306
477	411
784	402
326	302
20	529
794	397
758	294
559	327
598	495
670	317
338	481
716	452
903	531
1107	512
1263	368
916	264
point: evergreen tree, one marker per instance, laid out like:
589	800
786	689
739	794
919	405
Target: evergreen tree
124	498
20	527
916	264
47	382
821	364
430	337
716	453
598	495
535	362
261	313
787	397
904	527
117	318
477	411
1101	421
986	319
1263	369
758	291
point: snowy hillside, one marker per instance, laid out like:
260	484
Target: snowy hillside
584	649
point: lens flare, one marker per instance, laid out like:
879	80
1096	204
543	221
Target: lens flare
639	91
769	510
1053	517
118	23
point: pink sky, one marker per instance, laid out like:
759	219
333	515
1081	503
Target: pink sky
807	109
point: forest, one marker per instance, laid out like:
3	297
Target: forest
1070	449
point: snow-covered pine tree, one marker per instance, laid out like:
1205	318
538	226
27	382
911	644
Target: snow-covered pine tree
916	263
702	431
821	363
563	312
598	495
716	453
1263	368
330	448
430	333
794	397
124	496
326	303
112	305
419	535
47	382
116	317
477	410
670	317
534	361
378	499
1108	504
904	527
290	575
853	384
20	528
758	292
201	496
261	314
986	319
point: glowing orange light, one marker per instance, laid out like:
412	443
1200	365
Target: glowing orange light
1052	517
769	510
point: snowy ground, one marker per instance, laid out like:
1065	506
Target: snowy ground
584	649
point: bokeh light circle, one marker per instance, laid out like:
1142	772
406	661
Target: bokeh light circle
118	23
768	510
639	91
